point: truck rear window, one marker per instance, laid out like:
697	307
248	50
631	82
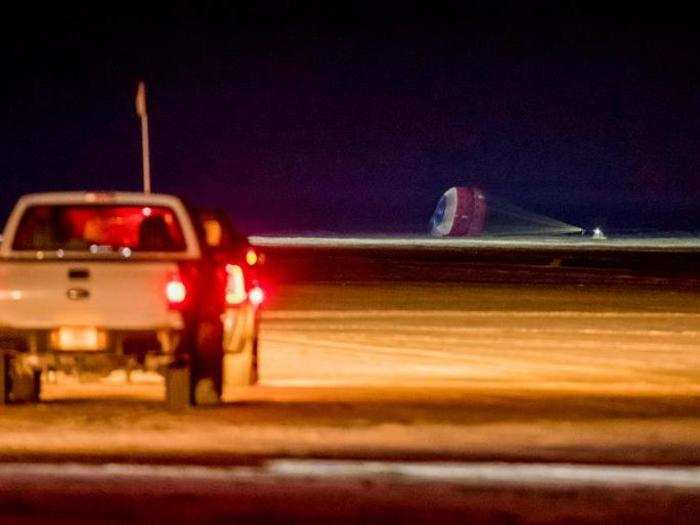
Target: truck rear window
99	228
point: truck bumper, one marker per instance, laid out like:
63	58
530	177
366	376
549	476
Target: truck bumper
111	341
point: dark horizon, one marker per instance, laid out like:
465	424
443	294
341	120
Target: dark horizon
355	120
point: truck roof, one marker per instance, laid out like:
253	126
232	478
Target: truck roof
97	197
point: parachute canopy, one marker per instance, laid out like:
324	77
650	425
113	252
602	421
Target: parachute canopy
460	211
467	212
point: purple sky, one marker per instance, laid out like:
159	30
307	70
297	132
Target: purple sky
356	120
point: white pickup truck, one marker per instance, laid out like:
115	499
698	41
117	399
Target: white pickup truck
129	276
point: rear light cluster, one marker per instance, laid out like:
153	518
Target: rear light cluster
234	287
256	295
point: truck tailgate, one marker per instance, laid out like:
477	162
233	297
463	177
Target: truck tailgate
108	294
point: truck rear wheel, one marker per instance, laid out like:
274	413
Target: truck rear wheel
19	382
198	380
207	364
254	373
5	381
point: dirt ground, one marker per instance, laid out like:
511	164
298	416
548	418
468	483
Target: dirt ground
419	371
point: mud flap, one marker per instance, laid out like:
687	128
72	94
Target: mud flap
4	378
178	387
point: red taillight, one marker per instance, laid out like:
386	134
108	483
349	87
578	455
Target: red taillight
175	292
256	295
236	288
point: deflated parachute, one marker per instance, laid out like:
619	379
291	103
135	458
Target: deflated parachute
460	211
463	212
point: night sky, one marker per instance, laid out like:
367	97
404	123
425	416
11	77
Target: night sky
313	118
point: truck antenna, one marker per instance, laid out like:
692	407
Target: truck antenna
145	152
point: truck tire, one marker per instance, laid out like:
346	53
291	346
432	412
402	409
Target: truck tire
27	388
207	364
196	379
254	371
18	382
5	381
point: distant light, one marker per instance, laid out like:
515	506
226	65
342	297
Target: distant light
251	257
39	255
16	295
94	248
60	253
126	251
598	234
256	295
146	211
